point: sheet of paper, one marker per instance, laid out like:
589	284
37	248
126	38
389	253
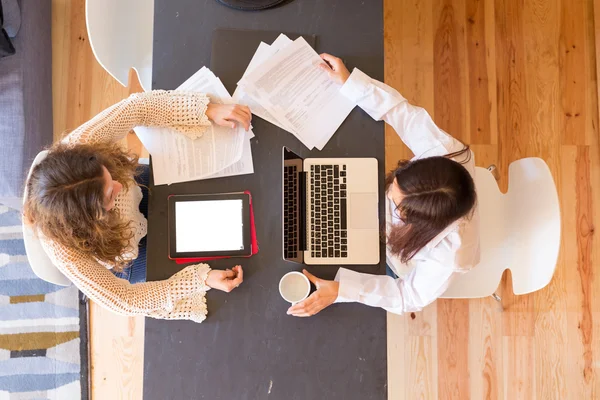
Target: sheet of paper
177	158
281	42
240	96
205	81
243	167
293	88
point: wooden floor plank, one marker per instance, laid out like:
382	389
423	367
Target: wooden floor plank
593	384
577	255
585	234
490	38
593	13
518	367
593	46
396	352
591	42
408	41
117	355
485	349
482	94
450	69
451	113
573	80
421	376
453	349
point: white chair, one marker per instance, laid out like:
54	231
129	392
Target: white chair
520	231
120	33
39	261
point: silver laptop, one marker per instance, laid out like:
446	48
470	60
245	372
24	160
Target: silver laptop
330	210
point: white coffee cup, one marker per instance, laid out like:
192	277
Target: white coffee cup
294	287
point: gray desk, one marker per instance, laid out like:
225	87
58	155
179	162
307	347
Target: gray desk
248	348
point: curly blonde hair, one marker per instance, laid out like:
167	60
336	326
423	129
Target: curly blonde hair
66	196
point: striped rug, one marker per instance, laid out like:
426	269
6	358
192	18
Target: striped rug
40	348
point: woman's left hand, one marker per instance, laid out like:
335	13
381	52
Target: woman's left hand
226	280
229	114
327	292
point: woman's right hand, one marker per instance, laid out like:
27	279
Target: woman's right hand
226	280
229	114
335	68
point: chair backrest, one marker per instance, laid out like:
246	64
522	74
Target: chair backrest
520	231
120	33
39	261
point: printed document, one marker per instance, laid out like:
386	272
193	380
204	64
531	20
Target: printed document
243	167
263	53
178	158
294	89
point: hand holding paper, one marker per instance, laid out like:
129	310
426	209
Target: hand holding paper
286	83
228	115
221	151
293	87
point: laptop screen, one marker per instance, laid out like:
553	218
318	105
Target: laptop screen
293	207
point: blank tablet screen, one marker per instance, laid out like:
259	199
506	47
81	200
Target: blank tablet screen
209	226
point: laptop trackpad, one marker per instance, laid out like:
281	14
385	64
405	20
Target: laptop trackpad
362	211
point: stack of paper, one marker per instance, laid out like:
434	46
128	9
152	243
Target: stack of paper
284	85
220	152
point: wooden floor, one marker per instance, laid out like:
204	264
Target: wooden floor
514	78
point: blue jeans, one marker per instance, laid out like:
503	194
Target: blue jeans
136	271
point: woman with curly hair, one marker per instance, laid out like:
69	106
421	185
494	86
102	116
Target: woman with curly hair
87	202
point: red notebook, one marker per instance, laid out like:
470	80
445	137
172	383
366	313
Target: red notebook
254	241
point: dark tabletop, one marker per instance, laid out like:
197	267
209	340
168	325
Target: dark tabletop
248	348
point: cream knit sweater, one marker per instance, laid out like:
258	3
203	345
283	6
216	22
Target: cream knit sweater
182	295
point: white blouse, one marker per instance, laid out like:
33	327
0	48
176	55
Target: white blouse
454	251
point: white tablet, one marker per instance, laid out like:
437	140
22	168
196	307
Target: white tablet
209	225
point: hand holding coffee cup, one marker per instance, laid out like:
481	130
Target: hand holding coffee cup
325	295
294	287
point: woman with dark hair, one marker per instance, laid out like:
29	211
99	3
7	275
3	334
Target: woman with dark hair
432	224
87	202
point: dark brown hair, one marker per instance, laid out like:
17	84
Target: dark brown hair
437	191
66	195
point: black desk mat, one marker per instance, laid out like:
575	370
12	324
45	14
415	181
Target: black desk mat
248	348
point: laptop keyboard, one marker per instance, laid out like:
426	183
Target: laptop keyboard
328	212
290	212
